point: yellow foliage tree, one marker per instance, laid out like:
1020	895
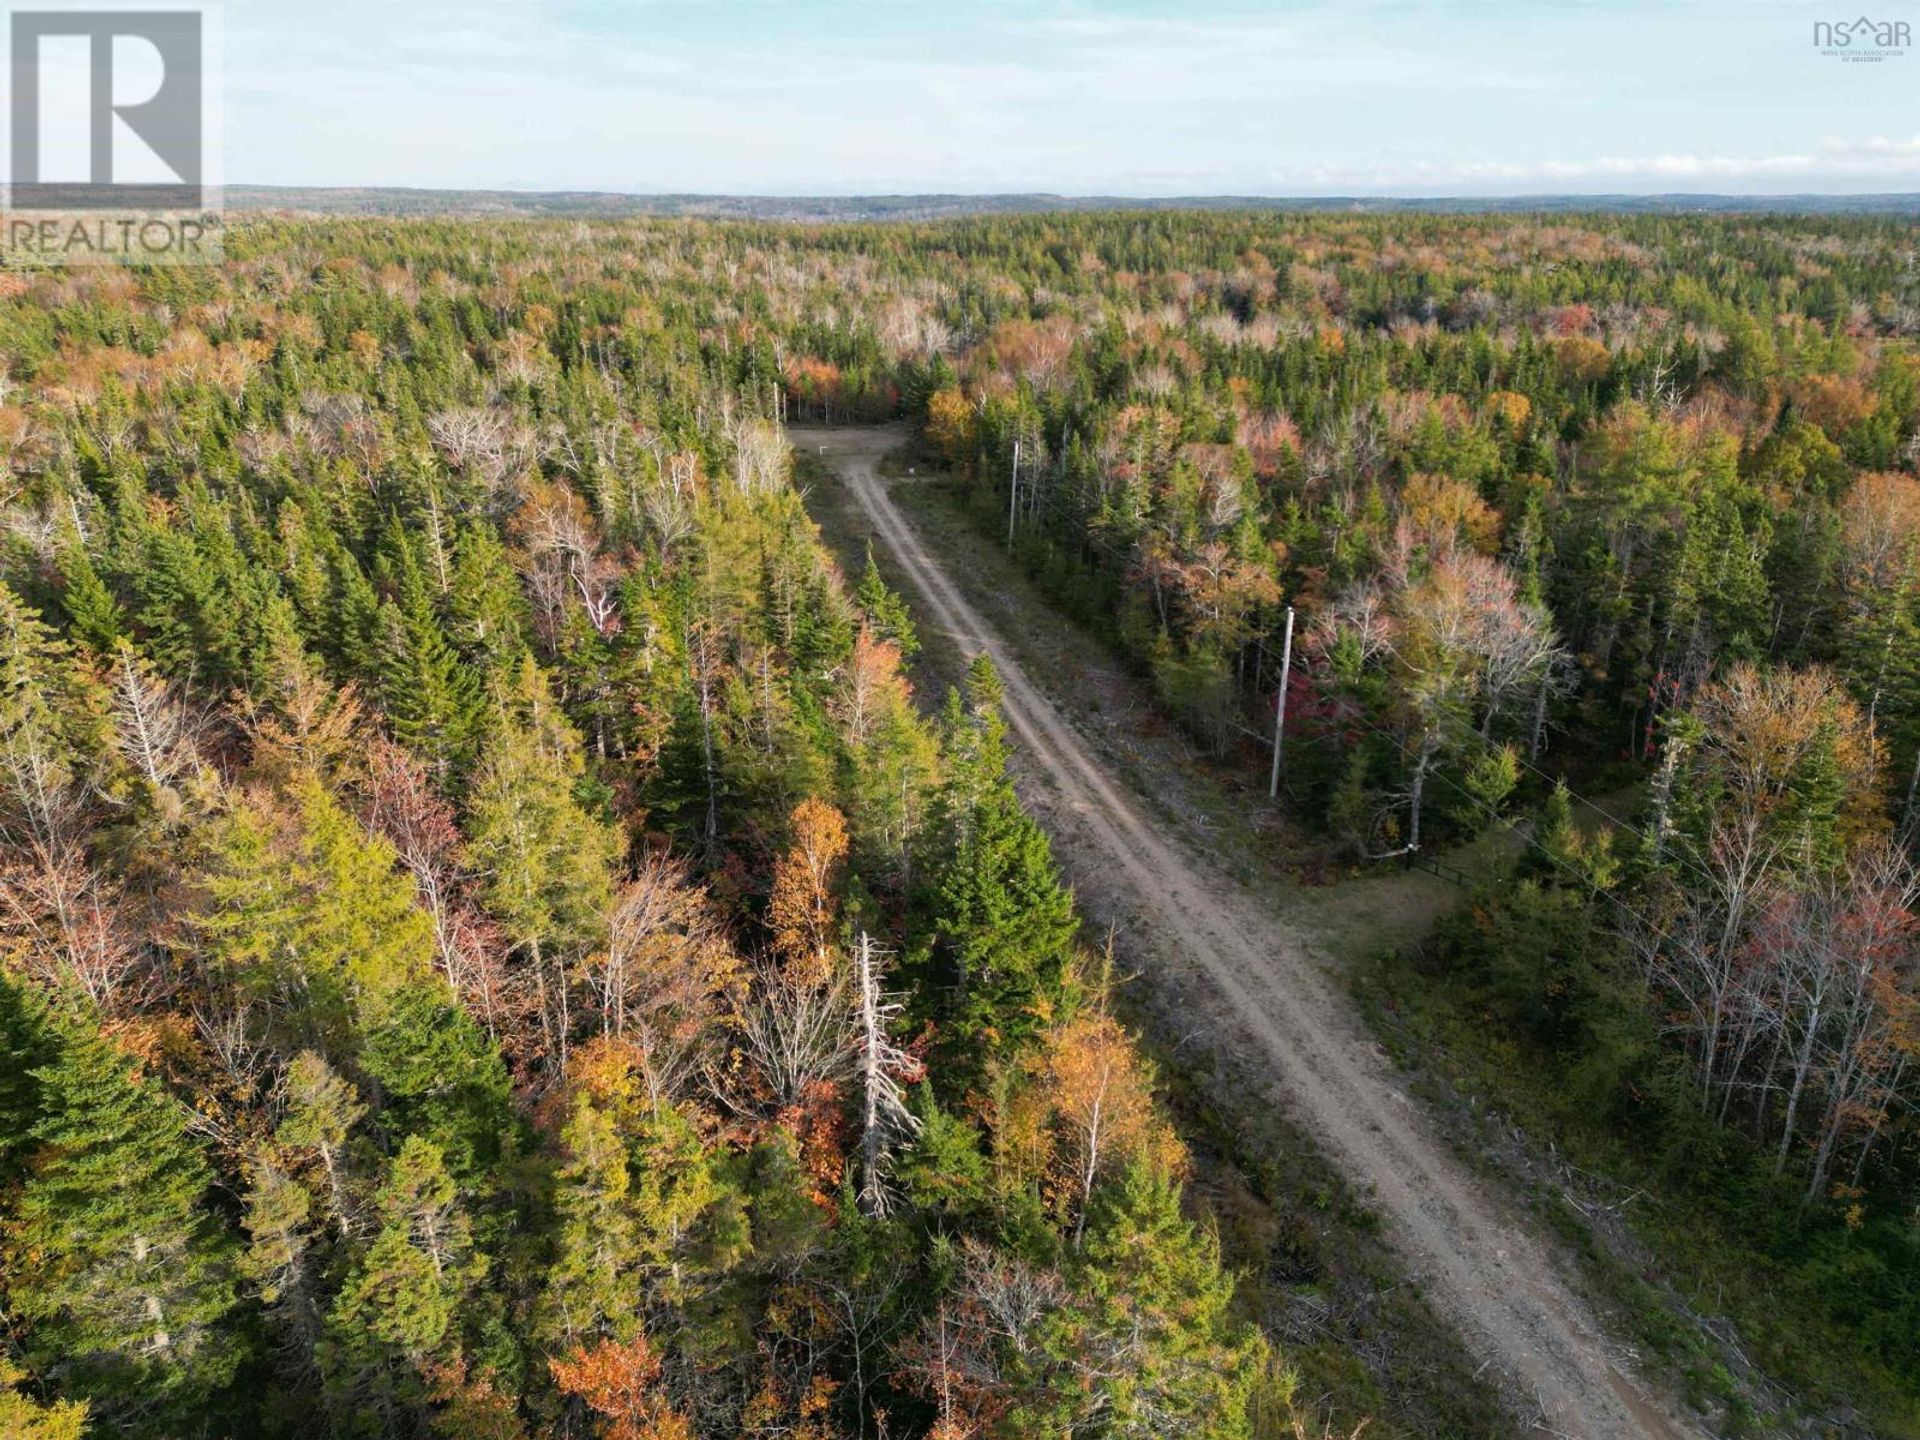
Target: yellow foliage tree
951	425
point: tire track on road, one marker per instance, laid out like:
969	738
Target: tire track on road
1495	1281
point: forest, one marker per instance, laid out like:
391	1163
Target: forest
493	943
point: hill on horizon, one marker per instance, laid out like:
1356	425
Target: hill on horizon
385	200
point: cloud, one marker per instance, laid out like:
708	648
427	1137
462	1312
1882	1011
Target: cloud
1381	96
1833	159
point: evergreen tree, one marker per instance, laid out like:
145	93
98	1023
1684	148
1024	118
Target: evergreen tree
91	609
635	1198
548	863
886	612
485	608
441	1079
25	1045
317	1131
310	912
945	1169
282	1265
52	729
998	915
1157	1299
395	1331
589	1291
1816	795
119	1271
431	696
23	1418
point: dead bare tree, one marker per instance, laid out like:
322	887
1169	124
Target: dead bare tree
664	974
1870	953
795	1032
67	926
484	443
157	728
565	561
761	456
885	1117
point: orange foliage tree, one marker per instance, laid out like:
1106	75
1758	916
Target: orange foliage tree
802	908
1087	1108
620	1383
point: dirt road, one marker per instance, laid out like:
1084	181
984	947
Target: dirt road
1270	995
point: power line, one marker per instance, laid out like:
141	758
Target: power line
1053	505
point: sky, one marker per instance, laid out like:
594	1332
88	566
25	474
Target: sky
1109	97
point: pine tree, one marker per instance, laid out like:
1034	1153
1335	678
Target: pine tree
121	1275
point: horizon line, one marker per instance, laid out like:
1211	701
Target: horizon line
884	193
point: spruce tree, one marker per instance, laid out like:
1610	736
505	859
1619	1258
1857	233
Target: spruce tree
317	1133
998	913
430	694
23	1418
637	1198
1816	793
96	617
886	612
487	612
590	1291
442	1078
283	1262
1159	1303
548	863
121	1275
1005	924
52	727
311	912
25	1045
396	1327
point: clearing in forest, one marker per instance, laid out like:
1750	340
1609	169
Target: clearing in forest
1263	986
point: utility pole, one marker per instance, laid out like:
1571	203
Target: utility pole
1280	708
1013	495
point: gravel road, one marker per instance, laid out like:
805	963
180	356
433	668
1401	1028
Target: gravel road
1272	995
